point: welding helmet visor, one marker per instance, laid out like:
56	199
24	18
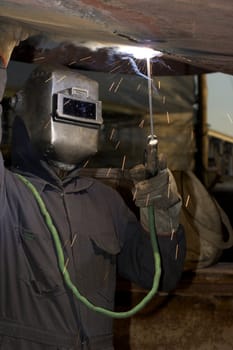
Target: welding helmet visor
62	114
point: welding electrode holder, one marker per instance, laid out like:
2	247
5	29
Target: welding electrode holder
151	156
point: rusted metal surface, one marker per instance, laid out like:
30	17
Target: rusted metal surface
197	33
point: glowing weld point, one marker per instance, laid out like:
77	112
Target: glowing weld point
139	52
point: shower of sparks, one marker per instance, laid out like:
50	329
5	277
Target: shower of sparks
187	201
123	163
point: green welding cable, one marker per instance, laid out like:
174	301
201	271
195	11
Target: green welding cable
64	271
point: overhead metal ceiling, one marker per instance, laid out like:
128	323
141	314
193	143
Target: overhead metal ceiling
194	35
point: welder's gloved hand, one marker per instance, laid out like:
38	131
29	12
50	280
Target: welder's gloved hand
11	35
159	191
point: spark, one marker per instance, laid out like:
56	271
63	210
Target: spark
85	58
168	190
115	68
112	133
164	99
38	58
177	250
46	81
118	85
111	86
47	124
71	63
108	172
147	199
159	84
142	122
172	234
85	164
62	78
138	87
229	117
117	145
123	163
135	193
73	240
168	118
68	101
187	201
65	266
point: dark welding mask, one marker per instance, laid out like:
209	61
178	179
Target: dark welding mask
62	114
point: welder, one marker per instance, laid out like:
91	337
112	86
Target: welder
58	118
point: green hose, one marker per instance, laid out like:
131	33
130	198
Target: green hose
64	271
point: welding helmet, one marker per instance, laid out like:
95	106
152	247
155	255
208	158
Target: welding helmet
61	113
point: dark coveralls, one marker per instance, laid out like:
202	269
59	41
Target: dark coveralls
99	236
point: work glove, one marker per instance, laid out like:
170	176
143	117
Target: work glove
159	191
11	35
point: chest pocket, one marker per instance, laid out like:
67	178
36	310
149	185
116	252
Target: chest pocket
37	263
96	266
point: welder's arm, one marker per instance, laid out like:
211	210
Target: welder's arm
11	35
